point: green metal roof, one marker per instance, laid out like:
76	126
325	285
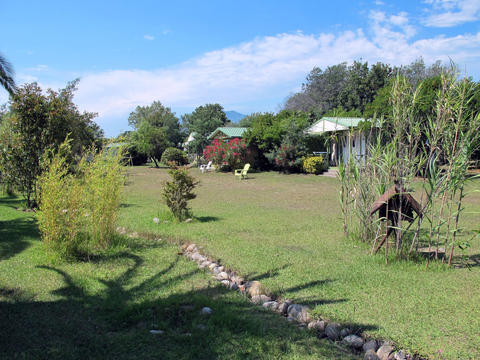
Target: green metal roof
230	132
345	121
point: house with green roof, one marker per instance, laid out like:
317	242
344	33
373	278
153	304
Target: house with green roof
350	139
227	133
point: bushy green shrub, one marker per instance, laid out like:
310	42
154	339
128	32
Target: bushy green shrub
78	209
174	155
179	191
314	165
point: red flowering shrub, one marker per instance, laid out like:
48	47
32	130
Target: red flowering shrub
227	155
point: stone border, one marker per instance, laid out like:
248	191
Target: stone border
297	313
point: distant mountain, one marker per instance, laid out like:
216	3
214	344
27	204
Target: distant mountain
234	116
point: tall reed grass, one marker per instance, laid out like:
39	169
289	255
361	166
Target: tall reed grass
78	208
408	149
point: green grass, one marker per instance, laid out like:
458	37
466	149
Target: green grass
105	308
287	231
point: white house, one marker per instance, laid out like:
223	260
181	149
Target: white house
349	139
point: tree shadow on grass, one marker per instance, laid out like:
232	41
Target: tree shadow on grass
115	322
204	219
14	235
13	202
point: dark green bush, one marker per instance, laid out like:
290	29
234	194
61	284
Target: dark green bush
179	191
174	155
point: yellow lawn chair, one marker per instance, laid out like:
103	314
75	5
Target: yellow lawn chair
242	173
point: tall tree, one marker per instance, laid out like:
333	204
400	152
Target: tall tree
158	116
6	75
203	121
36	123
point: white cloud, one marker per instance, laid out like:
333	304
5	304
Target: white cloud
448	13
257	75
262	68
149	37
38	68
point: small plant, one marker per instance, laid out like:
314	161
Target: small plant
179	191
174	155
314	165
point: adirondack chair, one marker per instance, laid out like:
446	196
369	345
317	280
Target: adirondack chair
242	173
208	167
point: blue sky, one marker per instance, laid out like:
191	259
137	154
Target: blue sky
246	55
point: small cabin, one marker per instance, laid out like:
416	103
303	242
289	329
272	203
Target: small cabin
227	133
348	140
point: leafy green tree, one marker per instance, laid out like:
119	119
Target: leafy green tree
158	116
203	121
35	123
6	75
321	91
268	132
150	140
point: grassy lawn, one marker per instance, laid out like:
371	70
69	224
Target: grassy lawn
105	308
287	231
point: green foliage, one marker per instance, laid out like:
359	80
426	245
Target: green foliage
150	141
315	165
38	122
203	121
175	156
6	75
156	128
269	132
78	210
158	116
179	191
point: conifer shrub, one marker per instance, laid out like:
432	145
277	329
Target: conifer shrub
179	191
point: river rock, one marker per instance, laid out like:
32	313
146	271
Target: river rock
271	305
332	331
206	311
191	247
233	286
197	257
223	275
226	283
260	299
255	288
345	332
299	313
353	341
283	307
371	355
400	355
370	345
212	266
384	351
317	325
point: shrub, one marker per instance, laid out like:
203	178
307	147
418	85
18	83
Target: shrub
314	165
229	155
174	155
179	191
287	158
78	209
